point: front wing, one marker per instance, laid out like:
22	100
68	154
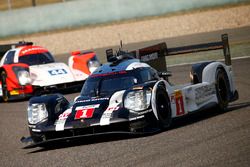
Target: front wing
112	134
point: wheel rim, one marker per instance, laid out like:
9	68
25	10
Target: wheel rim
162	107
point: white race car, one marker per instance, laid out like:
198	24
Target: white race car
26	70
127	95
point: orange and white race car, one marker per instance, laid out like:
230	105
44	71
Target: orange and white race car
27	70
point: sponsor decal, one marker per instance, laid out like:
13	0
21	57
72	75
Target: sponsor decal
105	119
145	112
178	97
36	130
93	99
112	108
140	117
149	57
204	93
60	122
108	74
64	115
106	115
85	111
57	72
14	92
33	49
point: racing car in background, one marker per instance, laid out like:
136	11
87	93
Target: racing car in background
26	70
128	95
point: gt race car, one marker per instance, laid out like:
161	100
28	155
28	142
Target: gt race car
127	95
26	70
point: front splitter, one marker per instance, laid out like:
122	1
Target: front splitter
31	144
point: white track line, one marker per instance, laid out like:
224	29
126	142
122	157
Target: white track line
182	64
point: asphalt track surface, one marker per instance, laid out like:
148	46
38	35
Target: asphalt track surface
209	138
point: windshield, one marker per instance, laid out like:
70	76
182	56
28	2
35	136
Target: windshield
104	86
108	83
36	59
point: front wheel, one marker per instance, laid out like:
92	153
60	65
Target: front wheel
163	108
222	89
5	91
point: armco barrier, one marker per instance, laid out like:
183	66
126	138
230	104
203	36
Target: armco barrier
83	12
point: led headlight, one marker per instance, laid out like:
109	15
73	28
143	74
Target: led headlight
37	113
93	65
24	77
138	100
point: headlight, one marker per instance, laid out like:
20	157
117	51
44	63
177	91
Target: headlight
138	100
93	65
23	77
37	113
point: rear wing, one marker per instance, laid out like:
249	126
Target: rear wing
6	47
155	55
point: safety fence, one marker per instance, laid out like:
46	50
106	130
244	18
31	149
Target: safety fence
84	12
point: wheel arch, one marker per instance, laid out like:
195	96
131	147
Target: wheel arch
11	76
209	73
166	86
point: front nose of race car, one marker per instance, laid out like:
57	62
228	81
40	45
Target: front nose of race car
96	113
86	117
118	108
89	113
89	118
53	74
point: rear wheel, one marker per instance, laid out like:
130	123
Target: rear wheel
163	108
5	91
222	89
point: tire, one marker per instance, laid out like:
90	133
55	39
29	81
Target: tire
163	108
5	91
222	89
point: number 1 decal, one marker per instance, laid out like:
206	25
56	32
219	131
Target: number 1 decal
179	103
84	113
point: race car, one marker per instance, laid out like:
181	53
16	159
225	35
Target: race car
27	70
127	95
